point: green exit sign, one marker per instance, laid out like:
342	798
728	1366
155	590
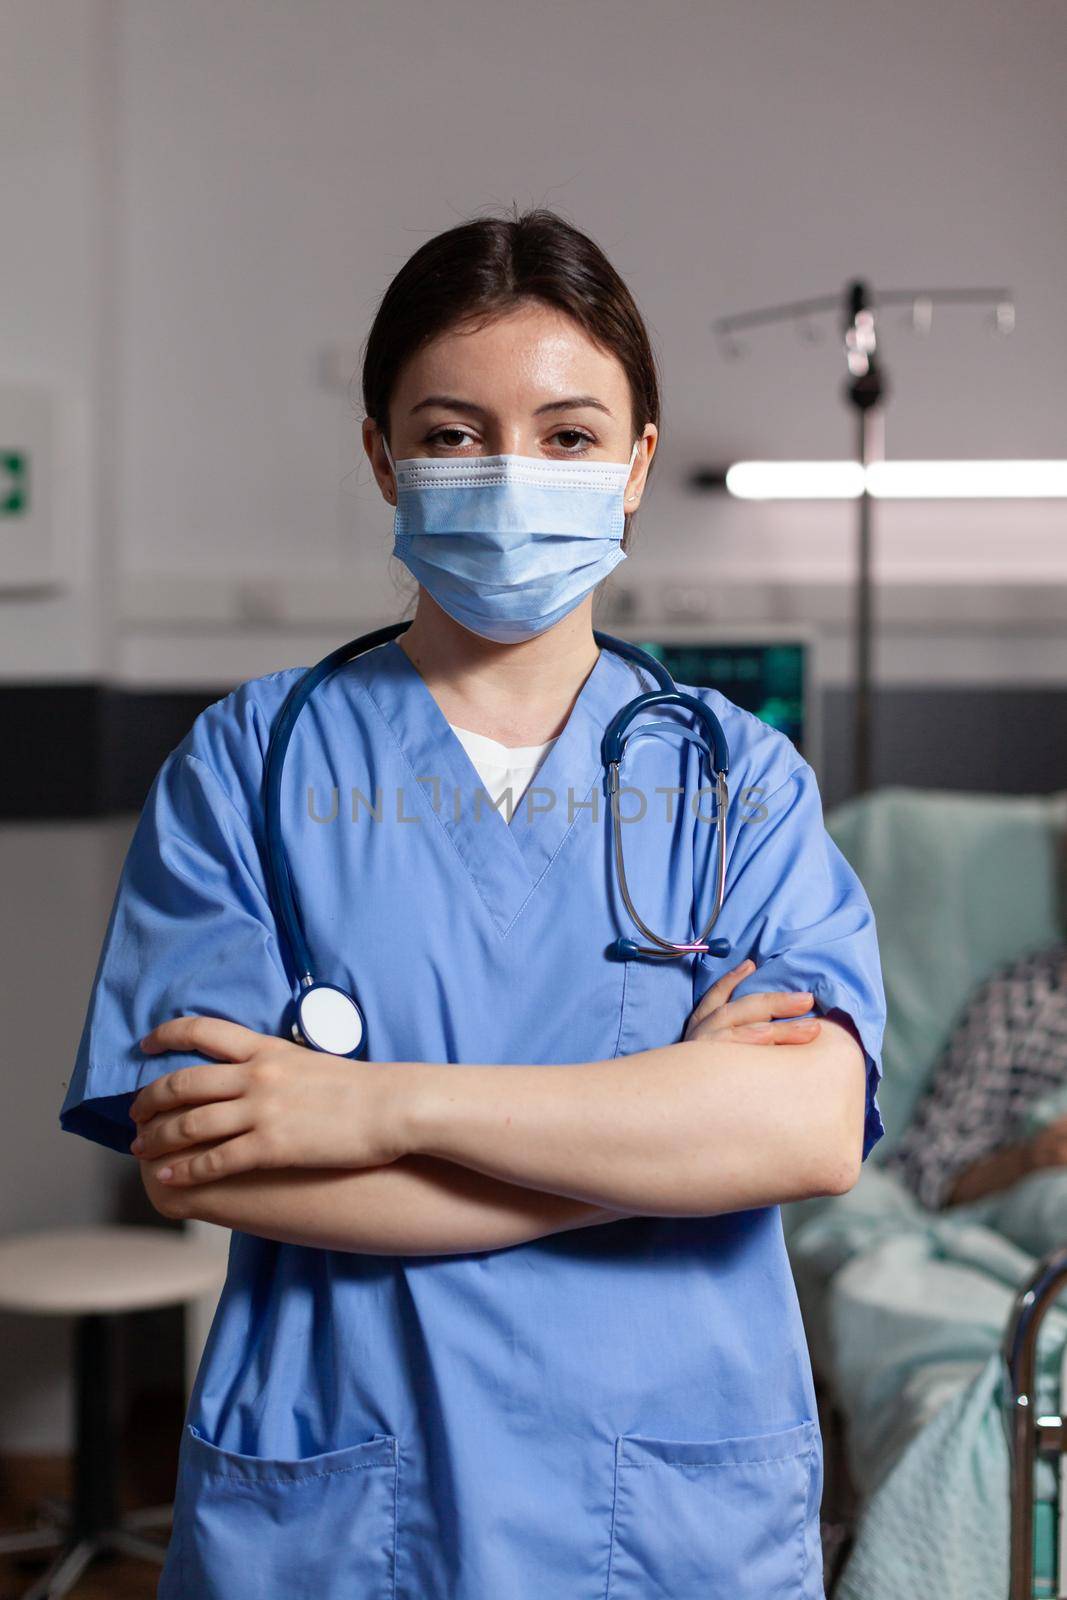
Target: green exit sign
14	483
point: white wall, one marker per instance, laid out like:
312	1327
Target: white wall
57	182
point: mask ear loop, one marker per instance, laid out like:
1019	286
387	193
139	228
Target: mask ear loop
633	457
392	463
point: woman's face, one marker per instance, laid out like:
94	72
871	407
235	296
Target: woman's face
531	383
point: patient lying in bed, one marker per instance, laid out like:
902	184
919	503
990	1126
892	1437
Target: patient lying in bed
1008	1048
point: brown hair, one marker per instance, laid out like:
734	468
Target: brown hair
485	268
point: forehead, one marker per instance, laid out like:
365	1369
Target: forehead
533	353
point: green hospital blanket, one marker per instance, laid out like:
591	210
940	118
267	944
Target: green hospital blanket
906	1311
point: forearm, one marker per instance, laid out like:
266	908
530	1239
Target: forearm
418	1205
999	1170
687	1129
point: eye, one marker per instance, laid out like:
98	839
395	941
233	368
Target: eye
450	437
584	440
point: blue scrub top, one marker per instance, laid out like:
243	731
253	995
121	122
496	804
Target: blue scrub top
617	1412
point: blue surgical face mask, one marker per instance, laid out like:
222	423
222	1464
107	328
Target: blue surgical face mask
507	545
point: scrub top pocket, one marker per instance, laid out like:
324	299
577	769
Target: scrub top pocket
696	1519
249	1527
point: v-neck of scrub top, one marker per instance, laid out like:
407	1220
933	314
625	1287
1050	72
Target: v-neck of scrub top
502	767
506	860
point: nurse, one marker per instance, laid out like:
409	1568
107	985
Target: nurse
508	1313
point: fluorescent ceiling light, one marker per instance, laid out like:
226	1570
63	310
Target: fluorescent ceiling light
795	480
898	480
967	480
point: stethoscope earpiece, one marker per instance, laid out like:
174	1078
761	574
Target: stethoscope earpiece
627	949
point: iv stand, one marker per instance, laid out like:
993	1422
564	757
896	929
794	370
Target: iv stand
865	391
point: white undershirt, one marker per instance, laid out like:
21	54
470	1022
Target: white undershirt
502	767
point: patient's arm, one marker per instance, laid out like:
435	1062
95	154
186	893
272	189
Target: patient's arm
418	1205
998	1170
1047	1147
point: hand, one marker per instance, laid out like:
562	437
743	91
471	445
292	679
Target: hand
1047	1147
267	1103
748	1021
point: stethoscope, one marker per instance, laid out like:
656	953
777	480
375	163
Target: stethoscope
327	1017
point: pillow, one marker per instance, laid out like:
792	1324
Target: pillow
960	884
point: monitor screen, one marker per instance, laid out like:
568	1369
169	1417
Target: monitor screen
766	678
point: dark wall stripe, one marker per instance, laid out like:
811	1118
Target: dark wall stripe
52	740
83	750
990	741
140	729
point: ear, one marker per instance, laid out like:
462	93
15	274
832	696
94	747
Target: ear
383	472
646	449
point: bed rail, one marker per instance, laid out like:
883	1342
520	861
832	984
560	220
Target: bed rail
1031	1435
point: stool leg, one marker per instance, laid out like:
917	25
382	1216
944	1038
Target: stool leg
17	1544
95	1504
64	1572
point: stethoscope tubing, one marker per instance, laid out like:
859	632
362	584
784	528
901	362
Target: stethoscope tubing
279	879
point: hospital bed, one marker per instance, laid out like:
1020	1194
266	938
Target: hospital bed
960	884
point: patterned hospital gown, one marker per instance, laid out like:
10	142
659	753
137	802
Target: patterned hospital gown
1009	1047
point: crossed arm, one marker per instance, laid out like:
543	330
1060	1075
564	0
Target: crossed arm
416	1158
413	1206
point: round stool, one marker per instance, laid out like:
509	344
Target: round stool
95	1275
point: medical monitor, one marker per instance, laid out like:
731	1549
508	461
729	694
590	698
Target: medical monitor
768	673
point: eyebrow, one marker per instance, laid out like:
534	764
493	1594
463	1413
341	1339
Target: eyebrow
573	402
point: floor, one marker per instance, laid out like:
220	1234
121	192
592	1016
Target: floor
149	1451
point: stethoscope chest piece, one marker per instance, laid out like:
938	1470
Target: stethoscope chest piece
327	1018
